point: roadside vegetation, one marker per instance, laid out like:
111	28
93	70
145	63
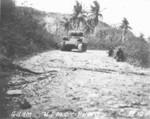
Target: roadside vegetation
22	33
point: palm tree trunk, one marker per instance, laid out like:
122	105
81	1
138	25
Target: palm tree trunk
123	35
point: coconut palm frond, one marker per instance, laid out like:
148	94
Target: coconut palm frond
95	12
66	24
129	27
96	4
77	8
125	28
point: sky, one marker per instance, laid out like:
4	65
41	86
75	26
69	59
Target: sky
136	11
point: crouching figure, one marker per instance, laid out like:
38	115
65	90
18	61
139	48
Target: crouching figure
111	52
120	55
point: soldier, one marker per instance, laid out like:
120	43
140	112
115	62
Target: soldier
120	55
64	43
79	46
110	52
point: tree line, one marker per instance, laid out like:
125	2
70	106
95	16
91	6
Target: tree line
87	21
81	19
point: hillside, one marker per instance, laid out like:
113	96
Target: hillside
24	33
105	37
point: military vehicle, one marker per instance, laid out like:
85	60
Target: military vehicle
71	42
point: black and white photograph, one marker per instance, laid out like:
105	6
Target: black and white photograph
74	59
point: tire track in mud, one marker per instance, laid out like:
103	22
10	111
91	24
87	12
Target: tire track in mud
102	70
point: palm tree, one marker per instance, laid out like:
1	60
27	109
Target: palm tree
66	24
96	13
88	26
81	20
77	9
125	27
79	16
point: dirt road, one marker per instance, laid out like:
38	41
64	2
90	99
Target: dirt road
87	85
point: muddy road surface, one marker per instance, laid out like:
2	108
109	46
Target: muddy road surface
87	85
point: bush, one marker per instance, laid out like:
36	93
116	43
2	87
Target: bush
105	38
25	34
136	50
